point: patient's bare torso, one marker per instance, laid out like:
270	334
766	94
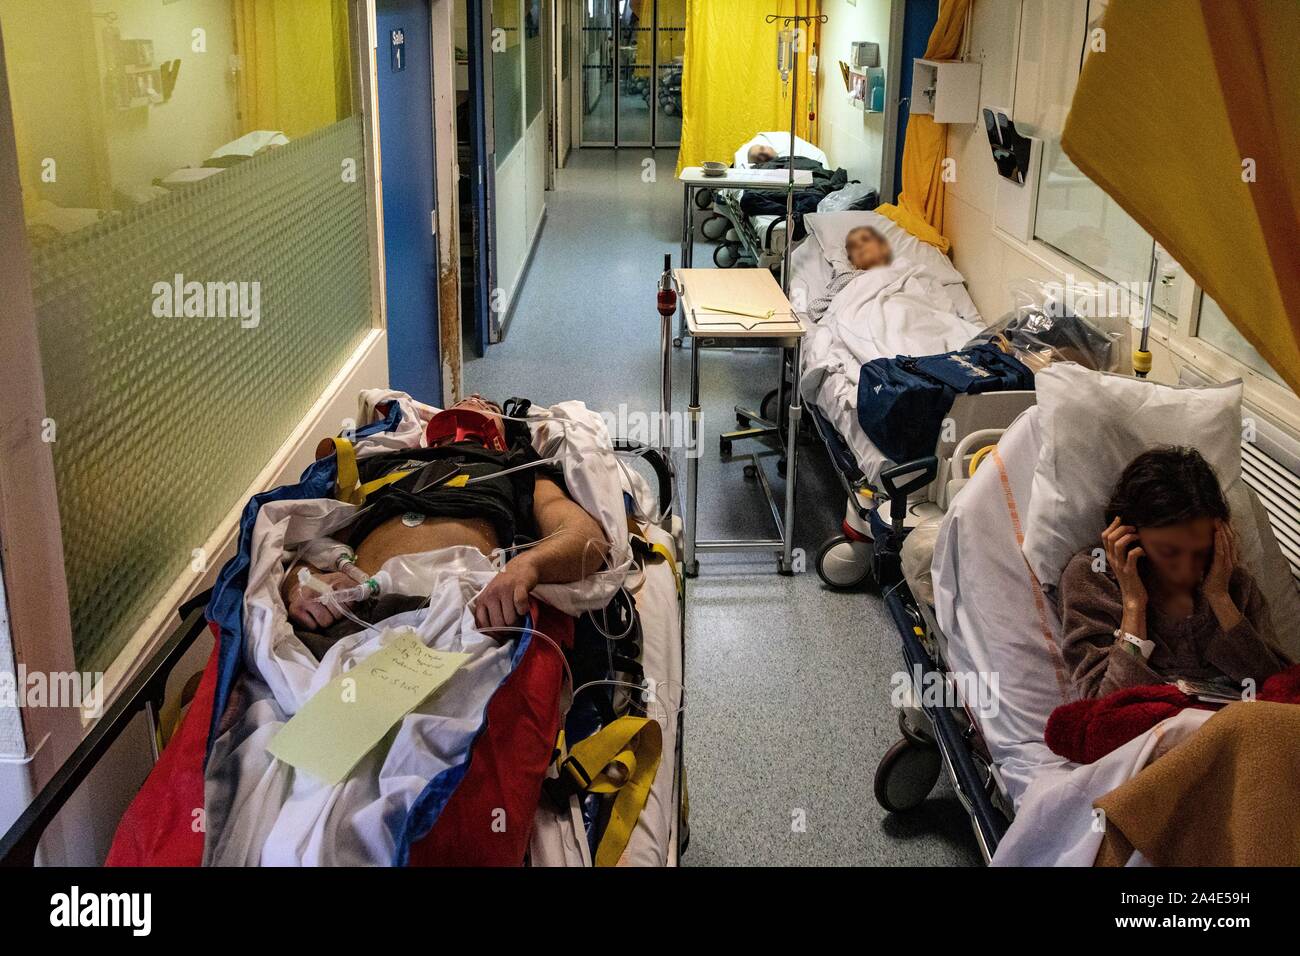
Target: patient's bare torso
396	536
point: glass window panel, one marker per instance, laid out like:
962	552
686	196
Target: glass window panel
507	77
1217	329
635	77
242	184
597	72
1075	217
671	40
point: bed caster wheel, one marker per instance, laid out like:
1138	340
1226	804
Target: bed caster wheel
914	734
725	256
751	472
703	198
714	228
724	447
906	775
844	564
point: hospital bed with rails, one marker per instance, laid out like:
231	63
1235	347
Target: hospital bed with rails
842	342
753	240
554	784
980	634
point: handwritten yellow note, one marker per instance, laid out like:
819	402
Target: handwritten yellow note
344	720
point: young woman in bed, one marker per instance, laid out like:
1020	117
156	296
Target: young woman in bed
1169	600
865	248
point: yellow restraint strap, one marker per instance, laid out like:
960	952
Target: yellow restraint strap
621	758
345	456
641	539
349	487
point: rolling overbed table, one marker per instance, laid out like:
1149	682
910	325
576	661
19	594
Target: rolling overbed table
711	299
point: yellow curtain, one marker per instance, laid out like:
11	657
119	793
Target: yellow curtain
296	73
920	202
730	86
672	13
1196	137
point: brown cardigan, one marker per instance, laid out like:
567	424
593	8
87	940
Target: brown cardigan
1194	647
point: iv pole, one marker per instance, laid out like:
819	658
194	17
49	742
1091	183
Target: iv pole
798	24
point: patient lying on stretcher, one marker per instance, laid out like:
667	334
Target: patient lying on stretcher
438	503
1165	598
865	248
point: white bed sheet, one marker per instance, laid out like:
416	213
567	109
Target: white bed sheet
832	365
558	837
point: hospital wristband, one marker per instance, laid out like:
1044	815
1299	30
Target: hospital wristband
1135	645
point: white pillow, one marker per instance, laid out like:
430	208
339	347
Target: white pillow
832	228
1093	424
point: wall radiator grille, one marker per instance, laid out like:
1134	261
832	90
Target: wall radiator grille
1279	489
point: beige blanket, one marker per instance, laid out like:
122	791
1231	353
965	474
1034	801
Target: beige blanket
1228	796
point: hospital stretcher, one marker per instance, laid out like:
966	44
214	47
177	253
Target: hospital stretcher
658	836
752	240
991	765
848	558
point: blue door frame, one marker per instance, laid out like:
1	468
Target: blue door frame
405	92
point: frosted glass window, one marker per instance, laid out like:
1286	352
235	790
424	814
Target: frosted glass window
201	267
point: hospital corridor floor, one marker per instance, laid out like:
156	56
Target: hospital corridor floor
788	683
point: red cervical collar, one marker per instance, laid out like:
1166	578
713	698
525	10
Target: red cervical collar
461	424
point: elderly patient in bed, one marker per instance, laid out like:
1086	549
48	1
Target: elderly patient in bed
1164	596
865	248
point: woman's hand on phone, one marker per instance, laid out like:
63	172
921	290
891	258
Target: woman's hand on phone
1122	555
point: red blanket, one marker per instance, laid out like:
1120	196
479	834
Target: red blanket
1084	731
164	825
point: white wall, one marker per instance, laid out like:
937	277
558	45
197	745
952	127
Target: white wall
852	138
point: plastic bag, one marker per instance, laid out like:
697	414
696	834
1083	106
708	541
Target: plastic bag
1050	322
852	196
918	550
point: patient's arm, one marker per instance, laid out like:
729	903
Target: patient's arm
1245	646
571	545
1092	609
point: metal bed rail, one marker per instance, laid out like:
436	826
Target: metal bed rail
846	469
666	478
144	693
987	821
